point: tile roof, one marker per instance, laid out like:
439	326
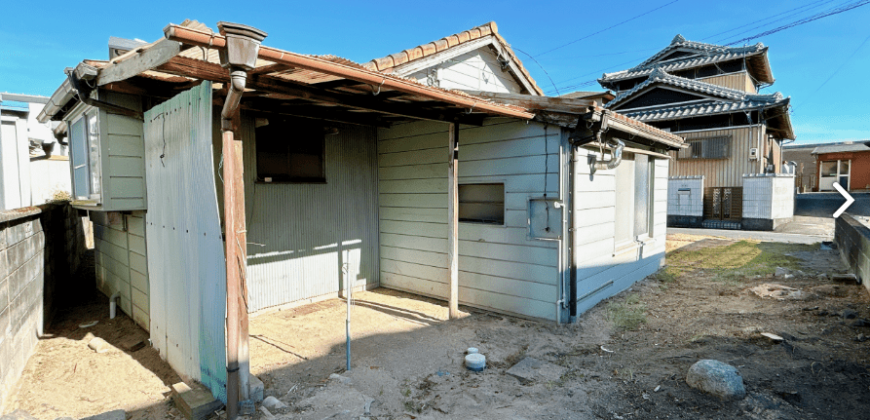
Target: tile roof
386	64
841	147
660	76
702	109
710	53
637	124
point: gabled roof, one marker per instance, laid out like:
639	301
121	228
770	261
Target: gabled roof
703	54
661	77
848	146
389	64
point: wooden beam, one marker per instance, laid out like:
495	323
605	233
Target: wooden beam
188	67
271	68
325	115
544	103
138	60
453	219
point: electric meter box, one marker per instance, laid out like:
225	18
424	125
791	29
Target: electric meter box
107	157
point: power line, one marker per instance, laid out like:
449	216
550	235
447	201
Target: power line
849	58
817	16
769	17
542	68
606	29
787	16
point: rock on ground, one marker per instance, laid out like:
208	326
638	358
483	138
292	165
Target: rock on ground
716	378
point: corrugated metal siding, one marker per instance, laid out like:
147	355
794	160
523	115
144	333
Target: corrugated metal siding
186	253
722	172
499	267
300	235
739	81
602	272
119	259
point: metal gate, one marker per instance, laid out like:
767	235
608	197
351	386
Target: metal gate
723	203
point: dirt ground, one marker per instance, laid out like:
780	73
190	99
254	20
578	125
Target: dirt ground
66	378
408	361
626	358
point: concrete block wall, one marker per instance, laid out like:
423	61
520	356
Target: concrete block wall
21	292
768	196
768	200
853	241
682	204
40	249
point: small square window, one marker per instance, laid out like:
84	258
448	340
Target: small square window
481	203
290	151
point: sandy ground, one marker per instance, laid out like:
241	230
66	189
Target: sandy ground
408	361
407	358
66	378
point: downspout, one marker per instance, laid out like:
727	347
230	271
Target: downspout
590	127
240	56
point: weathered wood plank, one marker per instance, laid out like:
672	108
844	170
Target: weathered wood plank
157	54
453	218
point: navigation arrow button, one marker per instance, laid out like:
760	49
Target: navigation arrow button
849	200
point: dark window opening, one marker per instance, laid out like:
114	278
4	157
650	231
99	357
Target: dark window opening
290	151
707	148
481	203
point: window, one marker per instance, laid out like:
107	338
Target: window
708	148
290	151
642	194
481	203
634	199
829	168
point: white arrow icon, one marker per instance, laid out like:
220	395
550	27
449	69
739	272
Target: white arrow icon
849	200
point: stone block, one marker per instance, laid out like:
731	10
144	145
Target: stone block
534	370
255	389
195	403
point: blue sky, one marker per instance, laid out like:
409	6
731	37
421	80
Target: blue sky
37	40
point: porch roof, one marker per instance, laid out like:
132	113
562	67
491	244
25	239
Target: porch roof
283	82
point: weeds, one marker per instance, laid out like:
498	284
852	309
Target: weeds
732	263
628	314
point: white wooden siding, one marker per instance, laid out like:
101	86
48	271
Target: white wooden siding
120	262
475	70
602	272
499	268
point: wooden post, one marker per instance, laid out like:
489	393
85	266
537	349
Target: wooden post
242	249
235	238
233	273
453	220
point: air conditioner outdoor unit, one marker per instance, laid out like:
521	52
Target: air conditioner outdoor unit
753	153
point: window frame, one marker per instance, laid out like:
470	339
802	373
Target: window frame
261	179
502	222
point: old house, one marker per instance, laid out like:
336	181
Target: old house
709	95
847	163
33	163
225	177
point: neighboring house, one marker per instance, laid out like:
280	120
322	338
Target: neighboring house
708	94
348	175
33	165
805	164
847	162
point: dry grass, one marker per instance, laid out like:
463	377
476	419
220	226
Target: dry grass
735	261
627	315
